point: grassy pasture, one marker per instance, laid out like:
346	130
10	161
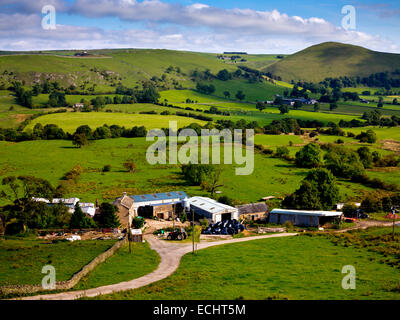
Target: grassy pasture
72	120
254	91
122	266
294	268
21	261
52	159
274	140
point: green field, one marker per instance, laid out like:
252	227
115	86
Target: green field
274	140
72	120
294	268
21	261
122	266
260	91
52	159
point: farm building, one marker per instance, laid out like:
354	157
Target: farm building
124	205
161	205
70	203
303	218
253	211
212	209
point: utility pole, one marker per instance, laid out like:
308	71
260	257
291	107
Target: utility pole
129	234
394	220
173	216
193	230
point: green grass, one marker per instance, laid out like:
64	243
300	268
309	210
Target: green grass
129	65
122	266
254	91
274	140
330	59
21	261
72	120
382	133
52	159
294	268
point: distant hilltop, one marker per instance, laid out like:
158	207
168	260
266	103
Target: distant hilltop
235	52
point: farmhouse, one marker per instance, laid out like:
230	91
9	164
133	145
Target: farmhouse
212	209
125	211
303	218
253	211
161	205
291	102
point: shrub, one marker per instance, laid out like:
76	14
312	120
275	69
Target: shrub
107	168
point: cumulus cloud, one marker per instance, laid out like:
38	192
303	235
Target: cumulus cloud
197	27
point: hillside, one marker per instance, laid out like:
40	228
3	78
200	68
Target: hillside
333	59
106	68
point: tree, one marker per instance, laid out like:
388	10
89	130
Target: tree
86	130
297	105
344	162
282	151
283	109
227	94
240	95
365	156
79	140
333	106
79	220
130	165
226	200
107	218
309	156
137	223
261	106
224	75
318	191
316	107
395	101
369	136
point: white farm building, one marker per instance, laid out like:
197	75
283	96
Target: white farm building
211	209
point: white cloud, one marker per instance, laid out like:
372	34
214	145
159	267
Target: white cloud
196	27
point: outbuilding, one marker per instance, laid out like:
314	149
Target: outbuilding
212	210
253	211
303	217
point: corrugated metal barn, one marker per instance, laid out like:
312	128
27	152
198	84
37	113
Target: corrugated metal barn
303	218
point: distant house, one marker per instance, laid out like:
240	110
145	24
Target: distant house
364	101
81	54
78	106
211	209
253	211
291	102
303	217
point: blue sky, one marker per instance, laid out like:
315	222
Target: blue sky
255	26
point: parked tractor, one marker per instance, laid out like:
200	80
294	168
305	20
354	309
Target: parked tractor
177	234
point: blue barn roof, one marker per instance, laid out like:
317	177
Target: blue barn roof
160	196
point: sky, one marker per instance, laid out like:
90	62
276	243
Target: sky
253	26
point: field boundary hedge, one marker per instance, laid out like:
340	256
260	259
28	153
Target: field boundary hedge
68	284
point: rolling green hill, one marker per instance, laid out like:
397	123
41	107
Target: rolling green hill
107	68
333	59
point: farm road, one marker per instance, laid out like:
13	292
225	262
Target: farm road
170	253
